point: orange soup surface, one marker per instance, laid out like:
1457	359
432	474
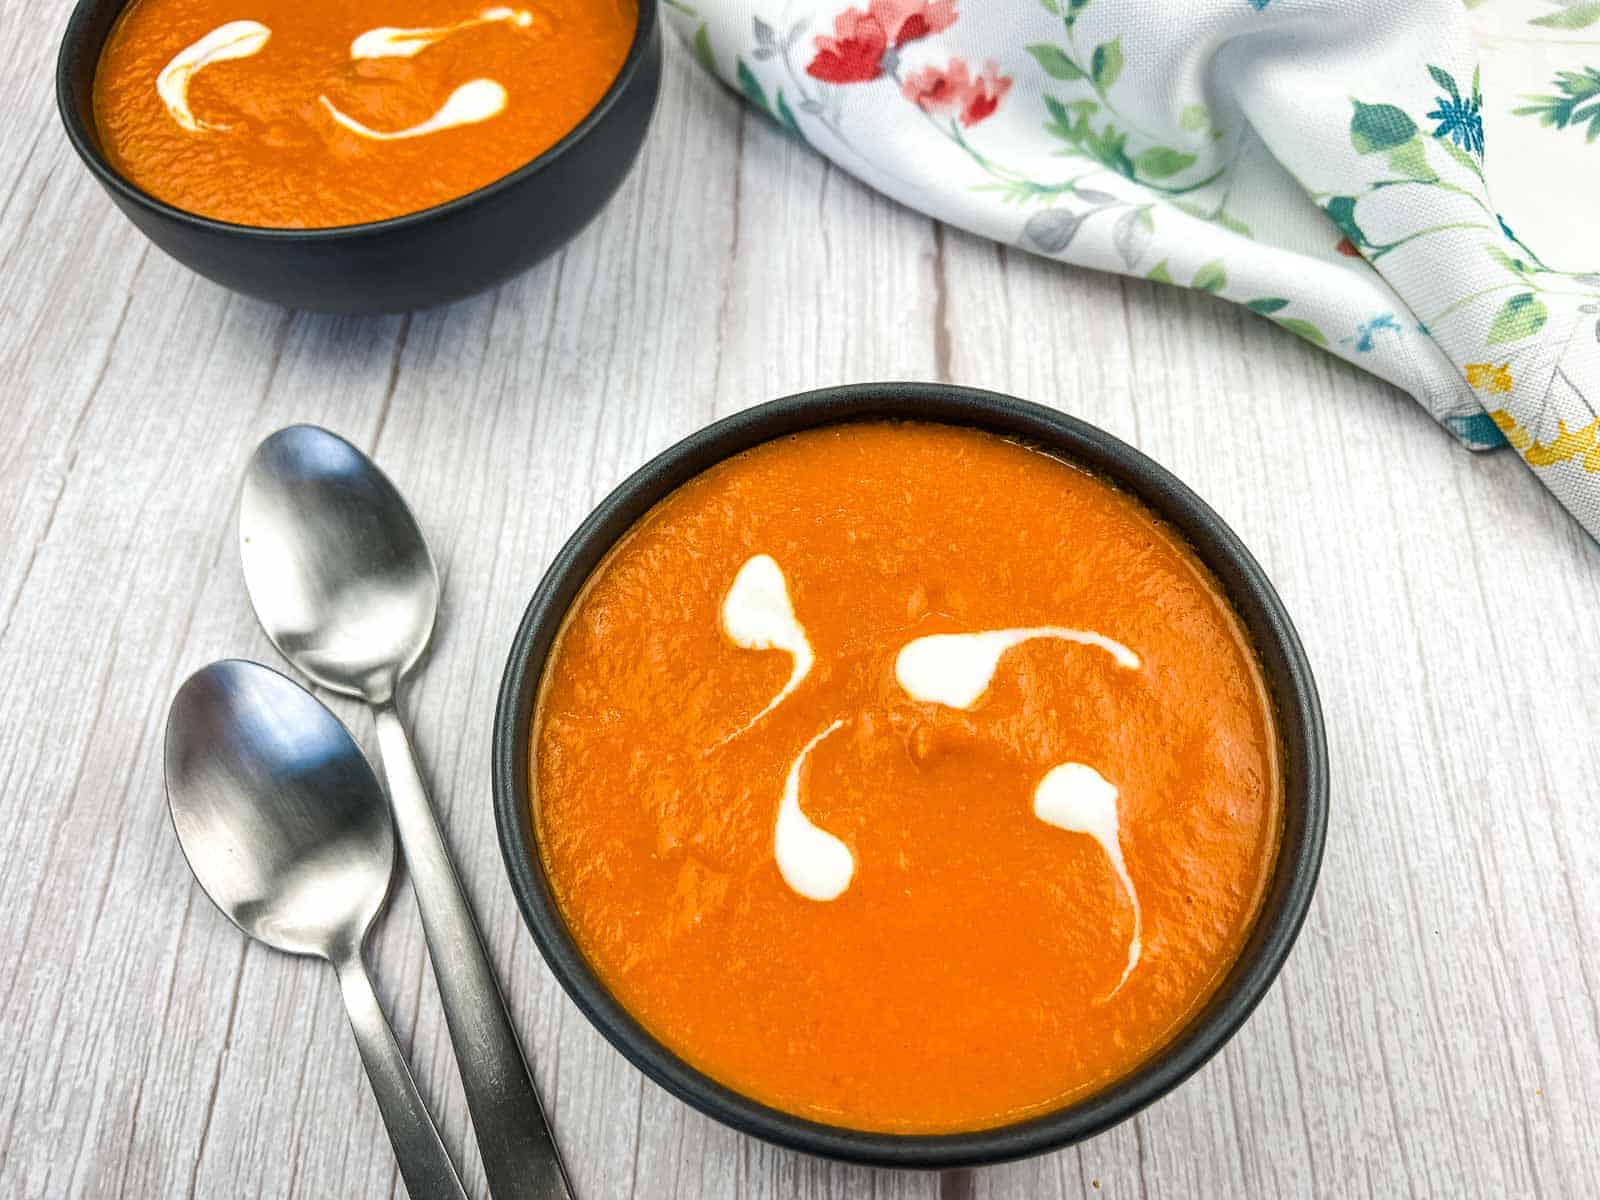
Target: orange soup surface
906	778
291	115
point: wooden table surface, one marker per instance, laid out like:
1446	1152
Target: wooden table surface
1438	1026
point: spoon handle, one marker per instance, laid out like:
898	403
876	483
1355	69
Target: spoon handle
520	1158
424	1164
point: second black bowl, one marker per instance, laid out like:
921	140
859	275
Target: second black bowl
1283	663
414	261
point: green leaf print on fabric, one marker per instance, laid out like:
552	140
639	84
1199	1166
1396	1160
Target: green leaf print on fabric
1379	127
1516	266
778	111
1068	12
1574	14
1411	160
1478	430
1055	63
1577	100
1106	65
1160	274
702	49
1341	211
1270	306
1212	277
1304	329
786	118
1106	144
751	87
1162	162
1462	158
1521	316
1097	130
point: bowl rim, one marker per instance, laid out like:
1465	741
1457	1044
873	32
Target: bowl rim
1277	925
84	142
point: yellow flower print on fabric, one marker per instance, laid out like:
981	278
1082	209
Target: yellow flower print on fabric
1515	434
1487	377
1568	444
1582	443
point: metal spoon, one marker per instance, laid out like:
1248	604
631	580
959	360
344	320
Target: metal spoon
343	584
284	826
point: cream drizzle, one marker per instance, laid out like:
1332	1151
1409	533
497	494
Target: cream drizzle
757	615
813	862
1077	798
474	101
955	669
236	39
389	41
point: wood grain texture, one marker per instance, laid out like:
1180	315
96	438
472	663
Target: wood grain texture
1438	1027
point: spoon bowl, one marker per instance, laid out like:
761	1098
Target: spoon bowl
308	872
337	569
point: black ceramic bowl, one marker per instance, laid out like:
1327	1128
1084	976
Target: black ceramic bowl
424	258
1283	662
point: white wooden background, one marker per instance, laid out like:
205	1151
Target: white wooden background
1438	1027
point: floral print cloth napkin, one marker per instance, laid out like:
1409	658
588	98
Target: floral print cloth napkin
1409	184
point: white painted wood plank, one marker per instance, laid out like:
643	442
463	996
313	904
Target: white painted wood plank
1438	1027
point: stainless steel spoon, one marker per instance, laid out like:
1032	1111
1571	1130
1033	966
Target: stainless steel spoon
343	584
285	827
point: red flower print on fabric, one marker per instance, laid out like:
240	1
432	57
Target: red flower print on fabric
1347	248
934	90
955	91
855	52
983	95
907	20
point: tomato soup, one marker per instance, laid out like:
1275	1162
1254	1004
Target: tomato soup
906	778
290	115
